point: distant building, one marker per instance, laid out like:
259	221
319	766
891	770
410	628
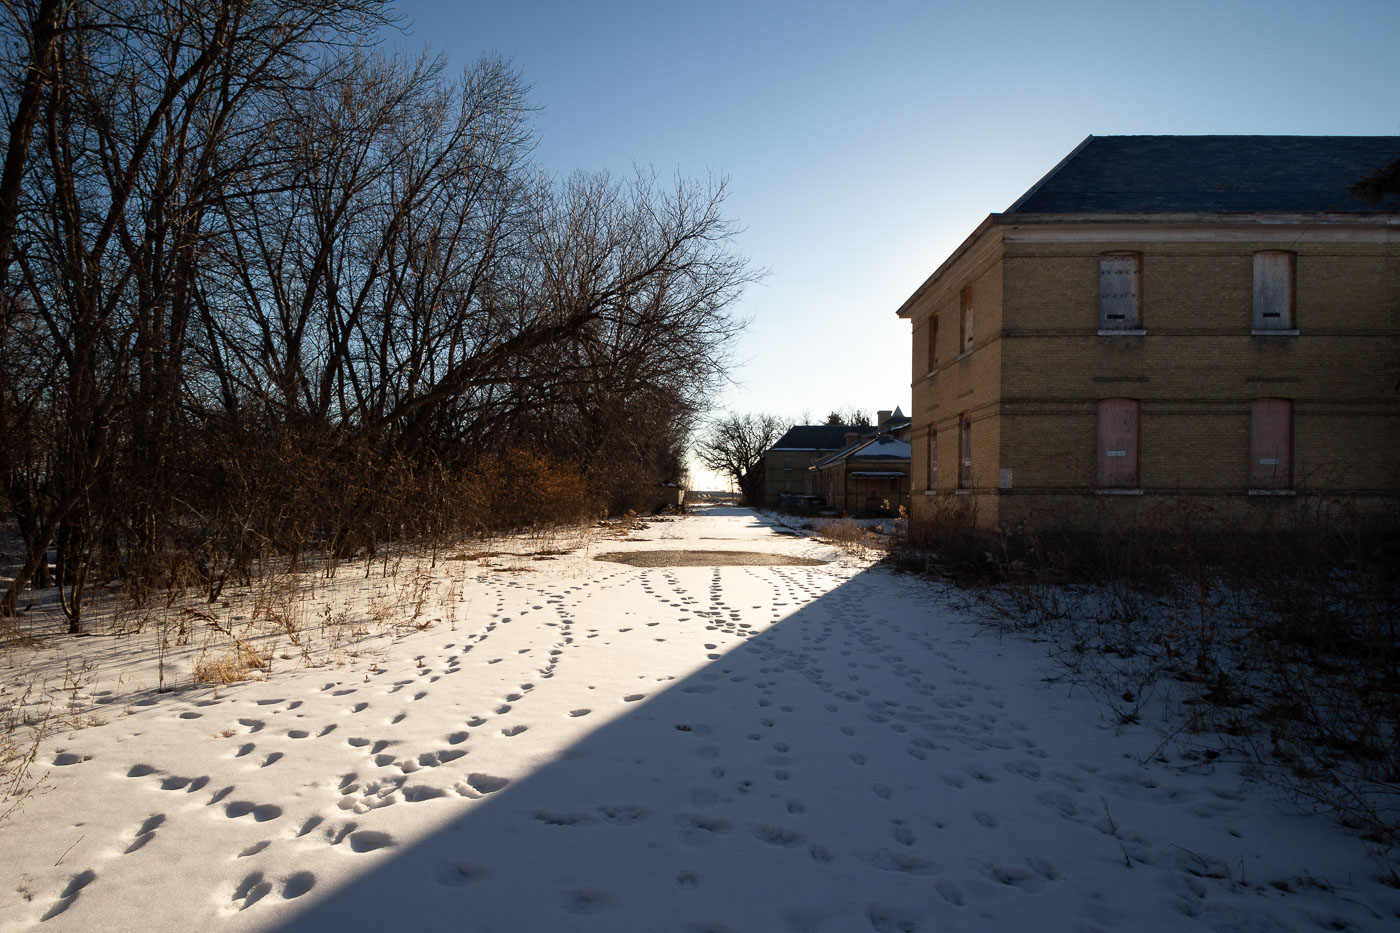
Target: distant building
787	462
871	475
1160	317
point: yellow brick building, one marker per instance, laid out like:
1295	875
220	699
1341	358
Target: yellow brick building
1163	320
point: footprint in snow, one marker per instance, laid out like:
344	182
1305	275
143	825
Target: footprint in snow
623	814
553	818
366	840
478	784
249	891
950	892
188	785
261	813
890	860
701	831
886	919
634	697
1014	876
145	833
585	901
457	875
778	836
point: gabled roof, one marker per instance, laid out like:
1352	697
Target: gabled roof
883	447
815	437
1213	174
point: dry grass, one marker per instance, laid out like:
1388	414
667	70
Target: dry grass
852	538
228	668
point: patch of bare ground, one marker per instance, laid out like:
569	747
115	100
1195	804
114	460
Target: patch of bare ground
680	558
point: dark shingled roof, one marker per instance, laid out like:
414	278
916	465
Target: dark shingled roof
815	437
1226	174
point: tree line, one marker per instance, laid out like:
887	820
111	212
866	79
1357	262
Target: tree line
270	286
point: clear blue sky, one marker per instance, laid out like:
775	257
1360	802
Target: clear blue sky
864	141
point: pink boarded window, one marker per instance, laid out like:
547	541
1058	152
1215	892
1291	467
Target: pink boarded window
1118	444
1271	443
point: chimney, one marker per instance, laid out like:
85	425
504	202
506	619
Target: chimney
852	437
883	419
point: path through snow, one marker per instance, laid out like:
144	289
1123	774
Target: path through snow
612	748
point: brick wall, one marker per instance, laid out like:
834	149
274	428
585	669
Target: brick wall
1038	370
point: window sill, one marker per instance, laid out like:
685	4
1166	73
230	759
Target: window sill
1122	332
930	493
962	492
1280	332
1118	492
931	373
1273	492
962	356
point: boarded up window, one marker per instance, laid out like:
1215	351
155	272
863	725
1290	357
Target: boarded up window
1273	291
966	342
965	451
933	343
1271	444
787	463
932	458
1118	444
1120	276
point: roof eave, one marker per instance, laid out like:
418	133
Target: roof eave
906	310
1049	175
1278	218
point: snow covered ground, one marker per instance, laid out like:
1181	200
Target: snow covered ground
573	744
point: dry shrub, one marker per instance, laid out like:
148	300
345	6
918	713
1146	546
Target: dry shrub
22	730
522	489
850	537
228	668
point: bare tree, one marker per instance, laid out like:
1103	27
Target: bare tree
125	131
734	446
266	288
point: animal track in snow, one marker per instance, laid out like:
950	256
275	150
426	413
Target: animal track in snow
778	836
70	893
890	860
145	832
700	831
261	813
623	814
553	818
366	840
